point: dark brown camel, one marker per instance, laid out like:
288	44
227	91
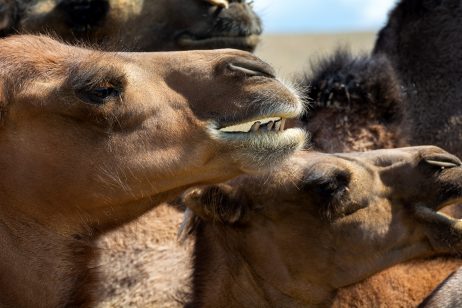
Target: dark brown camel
423	41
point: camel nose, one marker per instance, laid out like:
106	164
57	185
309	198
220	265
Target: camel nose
442	160
243	66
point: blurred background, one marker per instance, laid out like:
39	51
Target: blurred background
297	31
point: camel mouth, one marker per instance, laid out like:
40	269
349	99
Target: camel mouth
190	41
270	124
262	142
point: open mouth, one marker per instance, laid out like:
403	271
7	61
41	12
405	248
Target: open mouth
190	41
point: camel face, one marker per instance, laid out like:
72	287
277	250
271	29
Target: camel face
150	25
325	221
91	129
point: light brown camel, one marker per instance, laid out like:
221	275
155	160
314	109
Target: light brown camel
148	25
292	237
90	140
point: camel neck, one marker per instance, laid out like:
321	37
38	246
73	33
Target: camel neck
40	268
227	273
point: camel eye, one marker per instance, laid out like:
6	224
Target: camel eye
100	94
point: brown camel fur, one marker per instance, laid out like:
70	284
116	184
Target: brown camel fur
421	39
355	104
148	25
91	140
291	238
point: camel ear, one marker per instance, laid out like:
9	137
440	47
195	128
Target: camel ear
346	82
218	203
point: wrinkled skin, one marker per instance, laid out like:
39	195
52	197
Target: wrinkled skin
149	25
291	238
423	42
91	140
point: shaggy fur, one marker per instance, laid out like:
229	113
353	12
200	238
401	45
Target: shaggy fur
360	100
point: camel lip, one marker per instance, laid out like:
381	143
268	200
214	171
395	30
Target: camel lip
190	41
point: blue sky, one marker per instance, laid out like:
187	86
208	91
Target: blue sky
322	15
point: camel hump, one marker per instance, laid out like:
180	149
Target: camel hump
346	82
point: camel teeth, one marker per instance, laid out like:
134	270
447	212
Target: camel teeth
277	126
283	124
255	126
251	126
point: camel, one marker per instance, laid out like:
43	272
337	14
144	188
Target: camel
159	25
421	39
361	97
292	237
91	140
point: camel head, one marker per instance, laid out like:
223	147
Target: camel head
88	131
150	25
322	222
359	98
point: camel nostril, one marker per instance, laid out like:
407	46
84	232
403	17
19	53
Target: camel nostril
251	69
443	161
